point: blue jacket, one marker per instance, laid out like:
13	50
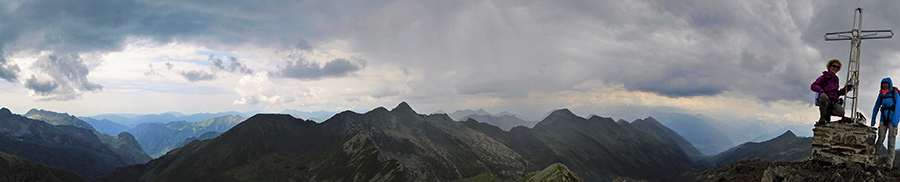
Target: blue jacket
893	116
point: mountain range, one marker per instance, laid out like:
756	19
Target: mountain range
57	119
785	148
380	145
400	144
459	114
158	138
67	145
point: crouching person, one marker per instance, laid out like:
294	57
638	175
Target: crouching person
886	103
827	87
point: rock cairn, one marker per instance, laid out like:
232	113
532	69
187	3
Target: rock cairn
838	143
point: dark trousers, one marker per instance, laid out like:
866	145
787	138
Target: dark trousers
828	107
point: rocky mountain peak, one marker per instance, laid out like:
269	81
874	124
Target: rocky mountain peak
4	112
482	112
786	135
403	107
560	114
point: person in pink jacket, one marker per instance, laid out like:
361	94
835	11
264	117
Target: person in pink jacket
827	87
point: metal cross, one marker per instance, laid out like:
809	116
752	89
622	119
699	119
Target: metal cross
855	36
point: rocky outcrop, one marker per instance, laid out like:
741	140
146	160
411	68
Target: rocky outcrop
812	171
555	172
838	143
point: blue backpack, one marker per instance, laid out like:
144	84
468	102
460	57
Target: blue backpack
887	100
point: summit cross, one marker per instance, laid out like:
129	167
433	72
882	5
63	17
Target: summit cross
856	36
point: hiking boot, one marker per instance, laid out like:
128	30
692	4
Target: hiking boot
845	120
819	123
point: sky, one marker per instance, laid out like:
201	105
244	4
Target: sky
730	60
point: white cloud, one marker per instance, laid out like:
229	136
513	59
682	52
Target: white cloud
257	88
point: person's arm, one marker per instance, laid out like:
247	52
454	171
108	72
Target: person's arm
894	116
815	87
875	110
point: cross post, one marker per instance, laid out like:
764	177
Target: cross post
856	36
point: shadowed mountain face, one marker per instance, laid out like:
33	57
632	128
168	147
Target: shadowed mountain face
272	147
650	125
13	168
57	118
597	149
80	150
205	136
159	138
787	148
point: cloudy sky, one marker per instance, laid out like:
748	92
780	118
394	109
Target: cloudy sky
729	60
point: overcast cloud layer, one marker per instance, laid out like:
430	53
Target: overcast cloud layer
524	57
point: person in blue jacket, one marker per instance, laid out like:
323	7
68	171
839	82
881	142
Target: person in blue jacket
886	103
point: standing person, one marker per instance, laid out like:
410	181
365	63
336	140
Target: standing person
887	102
829	94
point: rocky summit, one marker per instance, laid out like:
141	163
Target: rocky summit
838	143
840	152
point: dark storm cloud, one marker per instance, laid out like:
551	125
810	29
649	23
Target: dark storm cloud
755	63
8	71
682	81
100	26
877	55
685	49
308	70
197	75
41	88
68	74
234	65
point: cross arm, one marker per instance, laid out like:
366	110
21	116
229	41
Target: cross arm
874	34
838	36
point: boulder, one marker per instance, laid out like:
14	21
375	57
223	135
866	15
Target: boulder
838	143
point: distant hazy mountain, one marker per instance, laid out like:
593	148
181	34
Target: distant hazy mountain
105	126
504	113
705	137
57	119
158	138
505	122
799	130
67	147
787	148
13	168
403	145
133	120
652	126
458	115
317	116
